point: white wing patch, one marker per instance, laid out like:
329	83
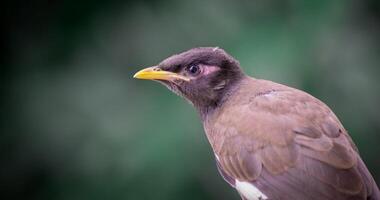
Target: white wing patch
249	191
217	157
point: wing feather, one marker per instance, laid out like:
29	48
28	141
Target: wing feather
288	143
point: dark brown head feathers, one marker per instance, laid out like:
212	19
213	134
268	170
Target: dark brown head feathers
206	90
200	55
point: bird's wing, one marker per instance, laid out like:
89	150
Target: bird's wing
289	143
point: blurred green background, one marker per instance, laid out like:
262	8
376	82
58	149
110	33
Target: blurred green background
75	125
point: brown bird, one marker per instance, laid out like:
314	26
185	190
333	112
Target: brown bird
270	141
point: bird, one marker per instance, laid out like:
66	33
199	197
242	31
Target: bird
270	141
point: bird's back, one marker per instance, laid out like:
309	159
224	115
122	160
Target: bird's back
287	144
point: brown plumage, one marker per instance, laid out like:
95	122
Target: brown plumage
283	141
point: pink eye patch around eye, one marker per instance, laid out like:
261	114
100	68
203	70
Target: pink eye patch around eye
208	69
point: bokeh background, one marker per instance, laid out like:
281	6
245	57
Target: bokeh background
75	125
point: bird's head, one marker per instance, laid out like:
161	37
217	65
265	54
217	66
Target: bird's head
201	75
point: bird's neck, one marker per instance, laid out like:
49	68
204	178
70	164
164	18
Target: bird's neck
208	109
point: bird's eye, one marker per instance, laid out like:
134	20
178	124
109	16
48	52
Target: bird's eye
193	69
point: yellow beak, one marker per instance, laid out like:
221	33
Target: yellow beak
155	73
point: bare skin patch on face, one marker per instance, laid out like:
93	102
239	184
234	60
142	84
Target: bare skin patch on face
207	69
